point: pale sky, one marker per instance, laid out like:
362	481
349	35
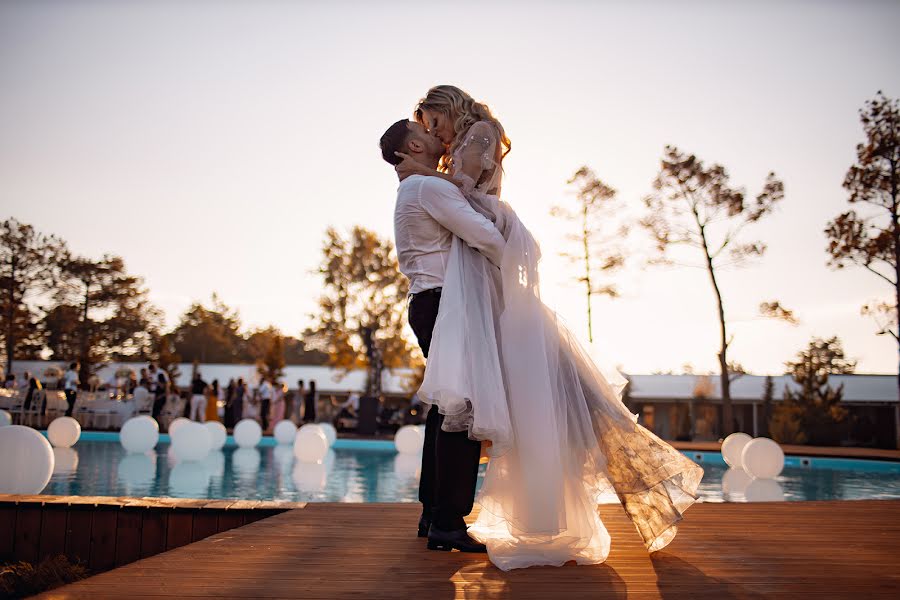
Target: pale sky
211	143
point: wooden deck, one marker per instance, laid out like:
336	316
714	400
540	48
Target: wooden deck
723	551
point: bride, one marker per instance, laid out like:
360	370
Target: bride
504	367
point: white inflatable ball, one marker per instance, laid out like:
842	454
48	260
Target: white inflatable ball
409	440
171	457
284	456
5	418
65	462
732	448
310	445
310	477
189	480
763	458
218	434
285	432
735	482
63	432
28	461
247	433
139	434
192	441
215	463
764	490
176	423
330	433
245	461
137	472
407	466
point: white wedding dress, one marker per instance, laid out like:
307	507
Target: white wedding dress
503	366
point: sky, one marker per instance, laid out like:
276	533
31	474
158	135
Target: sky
212	143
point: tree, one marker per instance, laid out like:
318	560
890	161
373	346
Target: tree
29	263
163	352
696	207
812	413
768	399
596	237
360	318
209	335
872	240
296	352
115	319
266	349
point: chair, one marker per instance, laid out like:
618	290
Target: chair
31	416
143	401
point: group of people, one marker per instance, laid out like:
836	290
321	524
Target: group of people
270	402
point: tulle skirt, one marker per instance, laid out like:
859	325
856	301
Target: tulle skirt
503	367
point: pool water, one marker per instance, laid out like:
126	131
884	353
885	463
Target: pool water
372	471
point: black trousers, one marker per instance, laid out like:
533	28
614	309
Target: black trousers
158	402
449	459
264	412
71	396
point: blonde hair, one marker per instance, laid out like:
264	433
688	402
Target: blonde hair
463	111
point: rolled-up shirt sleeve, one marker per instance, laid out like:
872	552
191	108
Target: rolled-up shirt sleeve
446	204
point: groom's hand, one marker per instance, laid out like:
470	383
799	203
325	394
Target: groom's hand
408	167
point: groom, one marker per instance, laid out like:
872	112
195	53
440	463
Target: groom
428	213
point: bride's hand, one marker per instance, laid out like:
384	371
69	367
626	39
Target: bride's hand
409	166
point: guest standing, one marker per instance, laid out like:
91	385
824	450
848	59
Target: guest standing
309	404
265	399
160	388
70	386
278	403
228	417
11	382
212	402
34	386
297	409
198	398
240	394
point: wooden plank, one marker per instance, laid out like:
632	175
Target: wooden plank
53	530
179	528
128	535
78	533
103	538
229	519
204	525
153	532
7	530
27	538
753	551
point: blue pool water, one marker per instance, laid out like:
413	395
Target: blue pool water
371	471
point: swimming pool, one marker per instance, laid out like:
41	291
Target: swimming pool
371	471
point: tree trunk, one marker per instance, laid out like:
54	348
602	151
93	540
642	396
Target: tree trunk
84	371
895	231
725	378
10	315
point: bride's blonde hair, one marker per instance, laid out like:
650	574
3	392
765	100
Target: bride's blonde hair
463	111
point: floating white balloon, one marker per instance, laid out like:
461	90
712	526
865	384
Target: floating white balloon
763	458
735	481
764	490
310	444
191	441
310	477
218	434
245	463
139	434
285	432
409	440
137	472
407	466
63	432
247	433
189	479
65	461
5	418
28	460
330	432
215	463
175	424
732	448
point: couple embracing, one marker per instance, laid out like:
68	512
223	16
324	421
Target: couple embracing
502	367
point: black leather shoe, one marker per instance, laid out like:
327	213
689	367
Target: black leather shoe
439	539
424	524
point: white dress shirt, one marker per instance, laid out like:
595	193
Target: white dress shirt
429	211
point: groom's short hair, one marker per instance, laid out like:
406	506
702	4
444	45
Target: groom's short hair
394	140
